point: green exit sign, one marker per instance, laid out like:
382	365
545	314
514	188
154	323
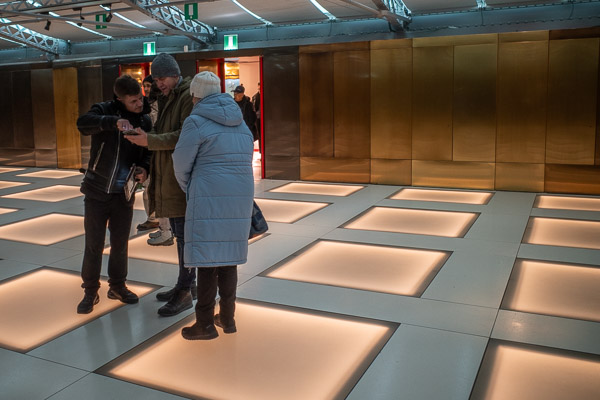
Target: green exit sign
149	48
230	42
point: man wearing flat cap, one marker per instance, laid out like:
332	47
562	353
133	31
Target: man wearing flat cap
166	198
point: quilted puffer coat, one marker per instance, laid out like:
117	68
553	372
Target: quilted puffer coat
213	166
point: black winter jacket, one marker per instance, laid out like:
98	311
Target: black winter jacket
249	115
111	155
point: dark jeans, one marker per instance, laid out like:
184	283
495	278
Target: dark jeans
187	276
209	279
100	210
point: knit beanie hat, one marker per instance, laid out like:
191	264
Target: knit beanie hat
204	84
164	65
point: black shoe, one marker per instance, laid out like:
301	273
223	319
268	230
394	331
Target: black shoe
197	332
181	301
87	304
228	327
168	295
123	294
146	226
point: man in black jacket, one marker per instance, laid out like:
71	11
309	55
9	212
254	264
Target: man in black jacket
247	109
111	158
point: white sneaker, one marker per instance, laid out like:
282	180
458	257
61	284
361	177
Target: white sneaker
165	238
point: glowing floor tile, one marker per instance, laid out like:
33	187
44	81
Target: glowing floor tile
52	174
7	210
532	373
318	188
287	211
7	184
41	305
554	289
563	232
44	230
51	193
568	203
139	248
139	201
368	267
6	169
420	222
277	353
447	196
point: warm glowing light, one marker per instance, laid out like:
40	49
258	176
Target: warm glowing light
51	193
44	230
568	203
368	267
6	169
41	305
52	174
317	188
563	232
7	210
276	354
287	211
139	201
420	222
448	196
7	184
139	248
554	289
510	372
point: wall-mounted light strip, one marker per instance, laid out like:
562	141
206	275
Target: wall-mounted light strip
237	3
323	10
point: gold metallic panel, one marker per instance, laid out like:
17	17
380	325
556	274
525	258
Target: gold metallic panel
335	169
491	38
391	172
470	175
391	103
66	111
572	96
520	177
432	103
328	48
316	105
391	44
572	179
530	36
207	65
351	104
522	93
474	107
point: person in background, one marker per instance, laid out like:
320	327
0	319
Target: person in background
247	109
256	104
166	197
213	165
111	158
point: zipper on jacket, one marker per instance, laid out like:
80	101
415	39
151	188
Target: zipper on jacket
112	176
98	156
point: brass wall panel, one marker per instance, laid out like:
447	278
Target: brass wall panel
6	105
391	44
581	179
89	86
527	36
572	97
432	103
21	98
353	170
391	172
470	175
474	107
42	108
391	103
333	47
351	104
207	65
66	109
522	94
520	177
487	38
316	104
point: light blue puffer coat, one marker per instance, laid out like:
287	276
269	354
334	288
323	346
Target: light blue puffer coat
213	165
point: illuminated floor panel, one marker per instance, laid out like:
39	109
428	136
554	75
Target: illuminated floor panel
7	184
139	201
277	353
376	268
448	196
287	211
41	305
139	248
6	169
532	373
563	232
7	210
318	188
44	230
51	193
420	222
554	289
568	203
52	174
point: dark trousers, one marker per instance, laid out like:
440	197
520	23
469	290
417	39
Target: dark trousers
187	276
209	279
114	210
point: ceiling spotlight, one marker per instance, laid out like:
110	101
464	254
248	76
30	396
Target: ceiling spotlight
48	23
109	16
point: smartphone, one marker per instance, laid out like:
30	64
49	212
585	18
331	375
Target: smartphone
130	132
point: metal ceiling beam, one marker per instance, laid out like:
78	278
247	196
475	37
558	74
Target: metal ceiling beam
393	11
33	39
50	5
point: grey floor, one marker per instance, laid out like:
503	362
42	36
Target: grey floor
438	340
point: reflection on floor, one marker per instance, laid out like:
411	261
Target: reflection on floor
356	291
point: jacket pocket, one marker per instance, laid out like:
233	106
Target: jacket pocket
98	157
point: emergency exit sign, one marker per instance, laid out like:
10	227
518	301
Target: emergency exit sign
230	42
149	48
190	11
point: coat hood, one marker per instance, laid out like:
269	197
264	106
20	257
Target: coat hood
220	108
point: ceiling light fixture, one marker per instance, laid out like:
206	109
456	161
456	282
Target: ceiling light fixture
109	16
48	23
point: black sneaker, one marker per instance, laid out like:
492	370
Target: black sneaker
181	301
168	295
228	326
197	332
86	305
123	294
